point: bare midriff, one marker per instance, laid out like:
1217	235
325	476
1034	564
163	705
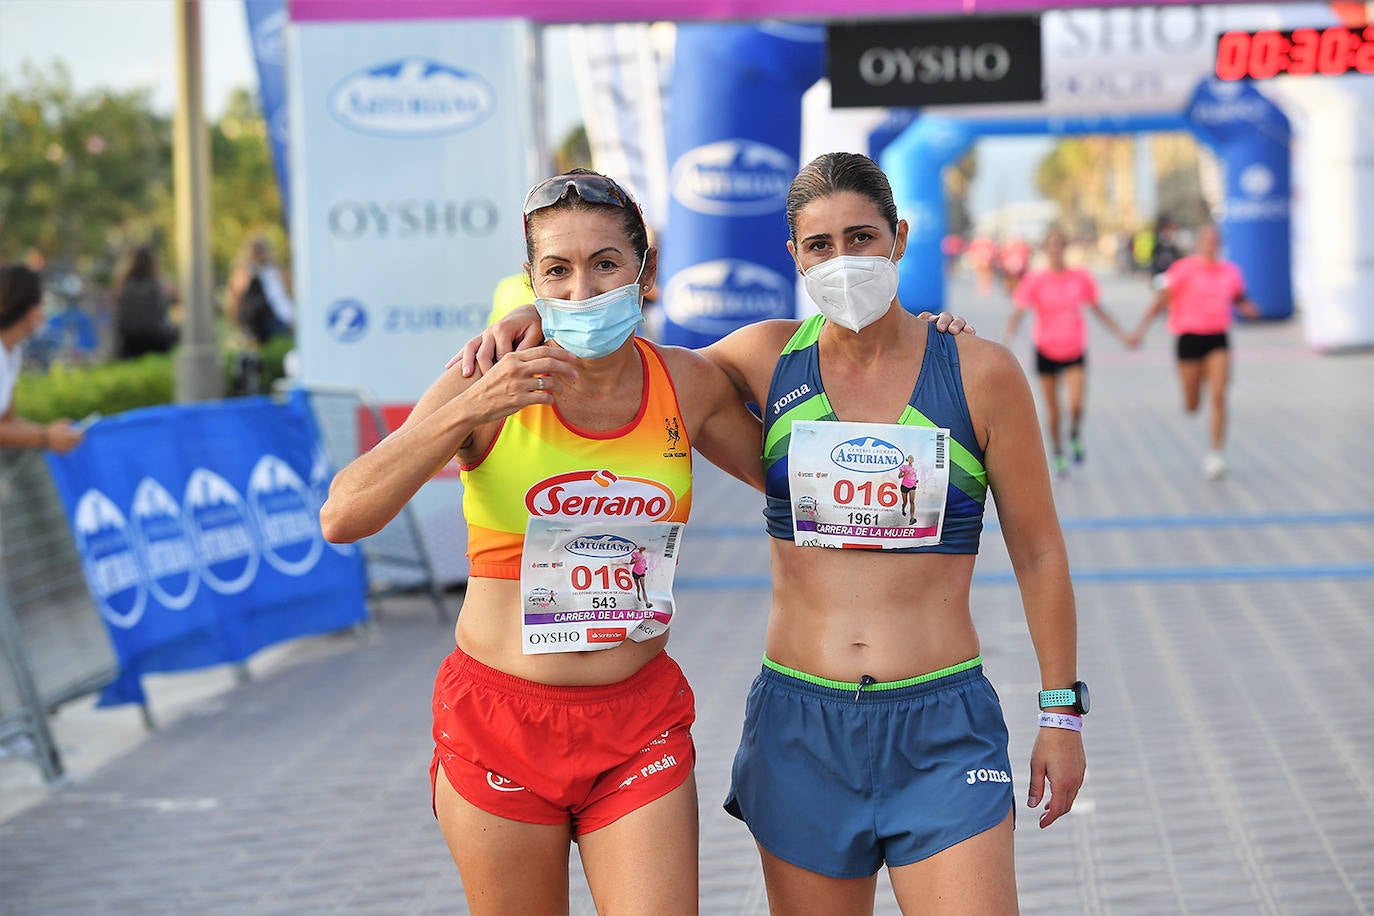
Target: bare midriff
842	614
488	630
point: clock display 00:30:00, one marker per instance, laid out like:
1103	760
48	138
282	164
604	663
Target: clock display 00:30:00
1302	52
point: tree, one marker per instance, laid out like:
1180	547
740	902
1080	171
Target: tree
245	199
79	172
574	151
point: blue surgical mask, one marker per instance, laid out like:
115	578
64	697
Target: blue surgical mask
595	327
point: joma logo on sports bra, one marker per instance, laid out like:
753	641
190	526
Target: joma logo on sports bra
600	494
791	396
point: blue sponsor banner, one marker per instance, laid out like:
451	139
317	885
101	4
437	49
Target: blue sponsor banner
198	530
267	34
734	137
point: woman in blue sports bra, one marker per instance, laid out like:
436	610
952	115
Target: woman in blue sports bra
871	735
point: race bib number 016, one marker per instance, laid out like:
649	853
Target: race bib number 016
591	585
879	486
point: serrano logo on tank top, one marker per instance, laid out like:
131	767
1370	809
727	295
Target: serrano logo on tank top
600	494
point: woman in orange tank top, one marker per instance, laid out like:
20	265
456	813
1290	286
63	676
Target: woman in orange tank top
559	713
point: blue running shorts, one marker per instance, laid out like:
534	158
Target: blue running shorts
839	784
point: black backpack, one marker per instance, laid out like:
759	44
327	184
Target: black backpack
255	312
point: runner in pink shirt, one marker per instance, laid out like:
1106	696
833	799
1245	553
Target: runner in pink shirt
1057	295
906	477
1199	292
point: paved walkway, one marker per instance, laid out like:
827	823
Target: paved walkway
1226	629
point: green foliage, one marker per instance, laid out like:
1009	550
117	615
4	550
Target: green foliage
84	177
575	151
79	172
74	392
244	199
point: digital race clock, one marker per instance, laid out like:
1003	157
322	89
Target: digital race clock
1268	53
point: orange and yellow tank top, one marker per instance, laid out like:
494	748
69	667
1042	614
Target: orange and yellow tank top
542	465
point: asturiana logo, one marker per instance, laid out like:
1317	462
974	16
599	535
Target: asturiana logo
163	540
218	521
112	568
287	518
719	296
733	178
600	545
268	36
412	97
600	494
867	455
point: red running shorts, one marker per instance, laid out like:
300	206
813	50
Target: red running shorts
583	756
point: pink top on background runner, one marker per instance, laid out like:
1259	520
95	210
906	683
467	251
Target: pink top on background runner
1201	294
1057	300
908	475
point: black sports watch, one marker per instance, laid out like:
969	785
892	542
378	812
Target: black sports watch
1076	696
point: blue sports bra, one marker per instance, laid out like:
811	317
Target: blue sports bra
796	393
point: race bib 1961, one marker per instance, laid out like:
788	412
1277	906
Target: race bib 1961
588	585
880	486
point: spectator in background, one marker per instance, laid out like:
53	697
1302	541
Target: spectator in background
982	257
1165	250
142	301
1014	258
21	316
259	294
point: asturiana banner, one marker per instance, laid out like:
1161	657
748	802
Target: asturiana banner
198	530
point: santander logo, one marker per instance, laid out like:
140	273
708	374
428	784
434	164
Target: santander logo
600	494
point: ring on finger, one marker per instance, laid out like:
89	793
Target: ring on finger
539	383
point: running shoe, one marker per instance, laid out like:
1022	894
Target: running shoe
1061	466
1076	446
1214	466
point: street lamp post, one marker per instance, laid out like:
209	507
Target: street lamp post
199	376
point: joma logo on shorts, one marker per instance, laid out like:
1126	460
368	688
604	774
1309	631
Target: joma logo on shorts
981	775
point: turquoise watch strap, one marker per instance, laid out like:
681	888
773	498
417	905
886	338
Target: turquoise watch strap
1049	698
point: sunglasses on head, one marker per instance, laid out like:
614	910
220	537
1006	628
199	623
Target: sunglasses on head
594	189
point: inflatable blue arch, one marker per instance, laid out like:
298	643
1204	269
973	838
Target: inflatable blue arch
734	138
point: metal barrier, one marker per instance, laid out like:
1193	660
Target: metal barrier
53	643
397	558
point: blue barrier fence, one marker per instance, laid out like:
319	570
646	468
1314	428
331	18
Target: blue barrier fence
198	530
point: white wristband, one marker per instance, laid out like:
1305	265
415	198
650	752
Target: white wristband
1061	720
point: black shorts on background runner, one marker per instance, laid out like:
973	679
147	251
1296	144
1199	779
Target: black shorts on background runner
1196	346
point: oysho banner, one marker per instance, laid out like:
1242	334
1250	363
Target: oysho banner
198	530
413	145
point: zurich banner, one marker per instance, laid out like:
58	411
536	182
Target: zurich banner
266	33
198	530
733	140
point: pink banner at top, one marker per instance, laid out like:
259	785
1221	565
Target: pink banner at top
675	10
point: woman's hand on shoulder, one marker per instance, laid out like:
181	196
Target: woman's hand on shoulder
948	323
537	375
520	329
